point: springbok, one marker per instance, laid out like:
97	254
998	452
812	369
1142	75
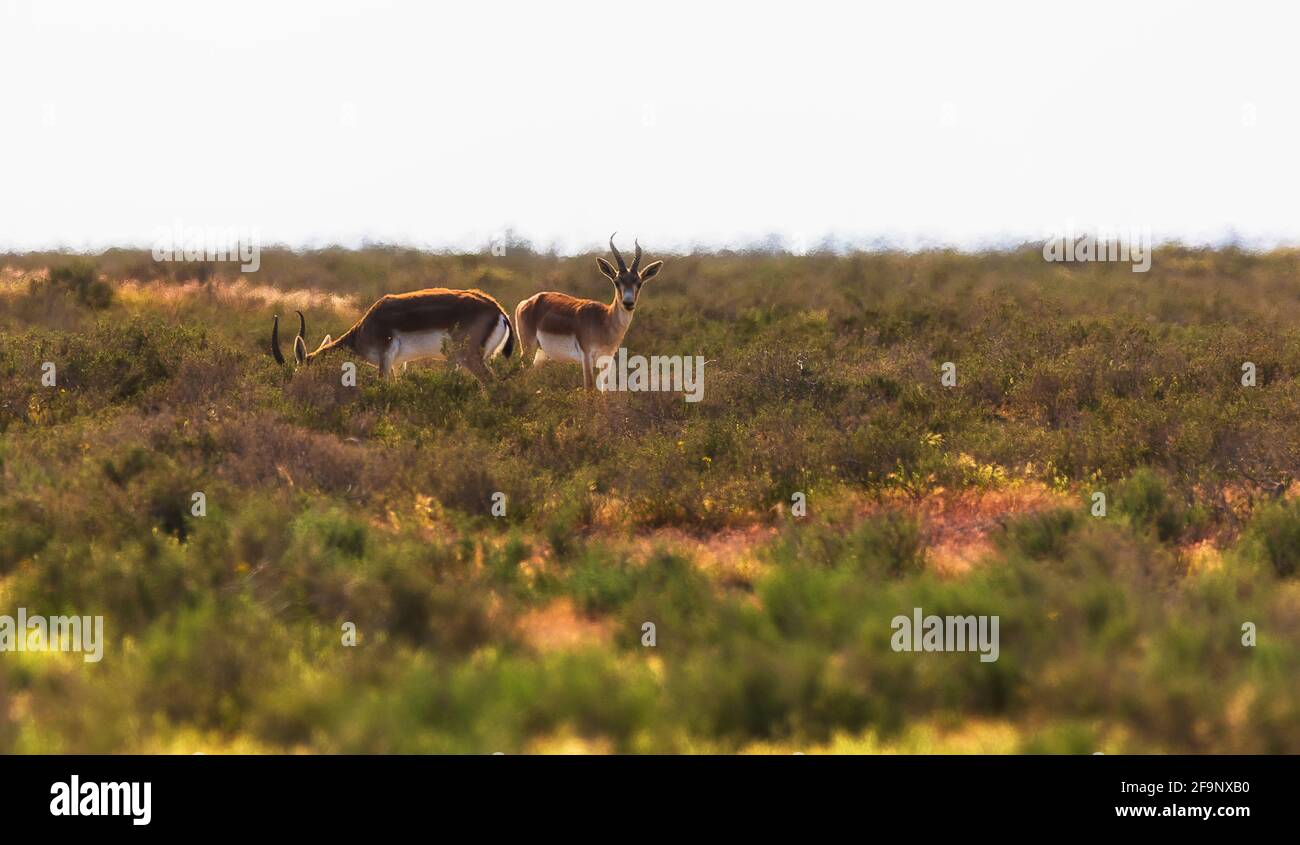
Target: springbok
563	328
403	327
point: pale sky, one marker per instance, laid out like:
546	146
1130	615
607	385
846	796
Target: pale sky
679	123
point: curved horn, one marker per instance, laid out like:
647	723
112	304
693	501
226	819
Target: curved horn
275	340
636	260
621	266
300	342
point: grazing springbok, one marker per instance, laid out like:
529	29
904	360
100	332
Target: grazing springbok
563	328
401	327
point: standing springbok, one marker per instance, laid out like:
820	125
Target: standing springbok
403	327
564	328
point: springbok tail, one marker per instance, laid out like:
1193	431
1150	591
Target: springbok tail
509	348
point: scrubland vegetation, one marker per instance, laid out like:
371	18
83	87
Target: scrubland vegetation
371	505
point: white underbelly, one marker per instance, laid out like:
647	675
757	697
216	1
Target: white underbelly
415	345
561	347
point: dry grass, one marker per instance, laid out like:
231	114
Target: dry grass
521	632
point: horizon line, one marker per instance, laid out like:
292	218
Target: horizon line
770	244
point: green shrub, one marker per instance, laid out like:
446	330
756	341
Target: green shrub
1145	498
600	582
24	531
889	545
1042	535
1276	530
81	280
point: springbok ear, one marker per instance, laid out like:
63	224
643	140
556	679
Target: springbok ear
325	341
607	269
299	350
651	271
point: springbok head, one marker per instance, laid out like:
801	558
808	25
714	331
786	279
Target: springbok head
300	354
627	280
